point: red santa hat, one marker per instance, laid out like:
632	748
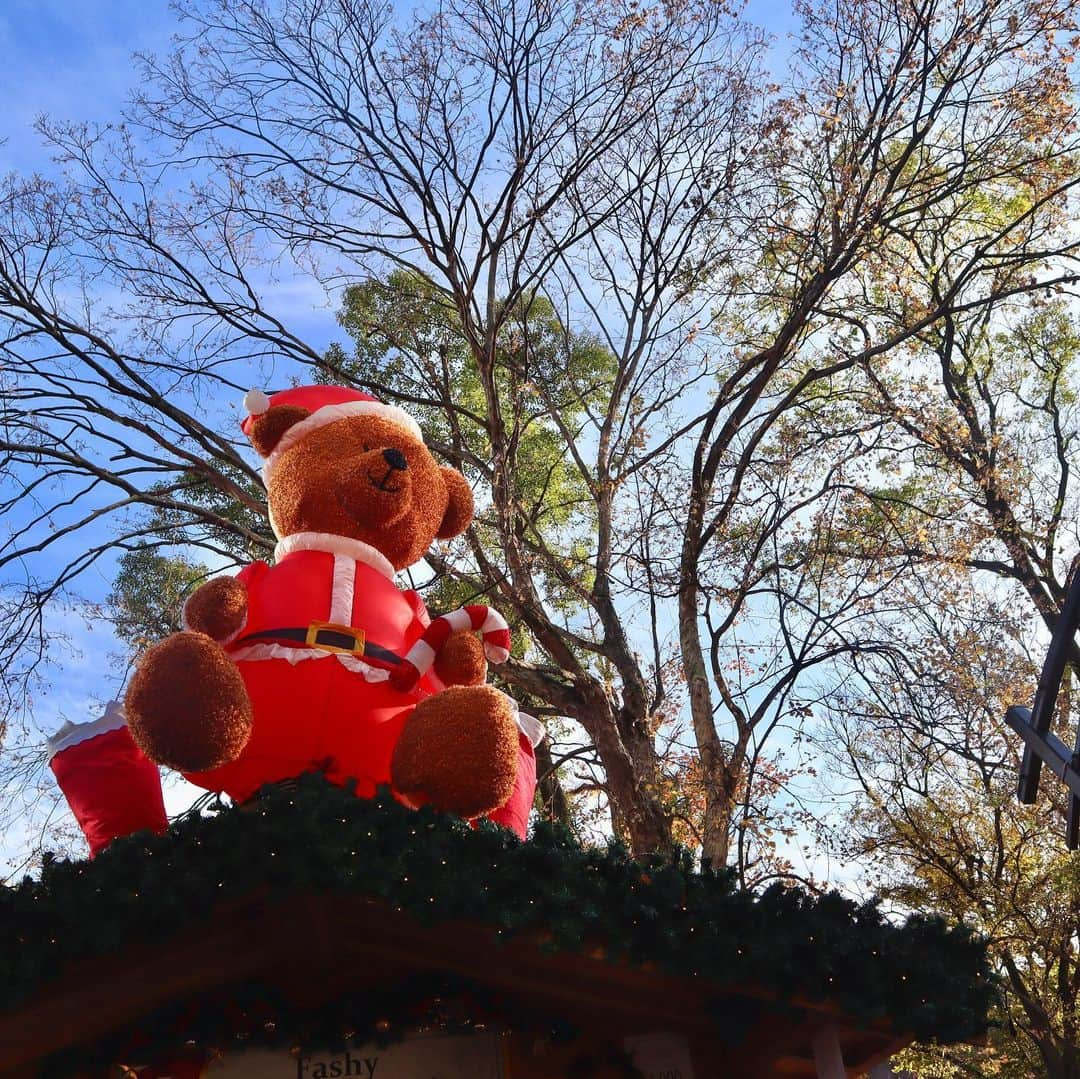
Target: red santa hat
326	404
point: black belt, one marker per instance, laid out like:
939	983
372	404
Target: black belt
330	637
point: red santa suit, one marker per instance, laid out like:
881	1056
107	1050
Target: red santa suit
325	626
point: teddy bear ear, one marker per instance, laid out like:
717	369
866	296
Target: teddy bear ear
267	429
459	509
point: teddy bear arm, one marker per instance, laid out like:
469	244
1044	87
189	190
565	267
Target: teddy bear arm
217	608
461	661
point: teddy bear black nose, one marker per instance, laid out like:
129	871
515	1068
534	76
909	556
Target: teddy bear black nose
395	459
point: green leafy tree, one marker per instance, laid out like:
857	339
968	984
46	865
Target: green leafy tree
939	828
408	342
148	593
684	294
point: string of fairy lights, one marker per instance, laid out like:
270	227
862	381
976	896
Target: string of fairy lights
922	976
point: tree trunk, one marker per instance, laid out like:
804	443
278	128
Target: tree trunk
554	805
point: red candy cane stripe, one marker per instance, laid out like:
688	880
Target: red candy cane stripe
475	616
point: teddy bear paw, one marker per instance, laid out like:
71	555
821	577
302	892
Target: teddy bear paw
187	706
461	660
458	751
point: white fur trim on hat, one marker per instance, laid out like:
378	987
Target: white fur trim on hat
330	414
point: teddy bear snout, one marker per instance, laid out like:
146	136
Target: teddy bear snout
375	486
395	459
385	475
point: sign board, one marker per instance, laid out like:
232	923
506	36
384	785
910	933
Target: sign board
660	1056
435	1056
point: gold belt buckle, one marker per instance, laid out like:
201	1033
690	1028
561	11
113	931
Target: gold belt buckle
357	635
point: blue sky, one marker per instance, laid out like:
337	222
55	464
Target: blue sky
72	60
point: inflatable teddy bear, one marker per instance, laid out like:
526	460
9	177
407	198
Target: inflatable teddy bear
320	661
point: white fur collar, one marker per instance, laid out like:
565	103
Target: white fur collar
357	550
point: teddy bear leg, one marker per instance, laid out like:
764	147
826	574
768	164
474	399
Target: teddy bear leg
111	787
187	705
458	751
514	812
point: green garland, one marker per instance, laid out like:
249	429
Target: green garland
923	977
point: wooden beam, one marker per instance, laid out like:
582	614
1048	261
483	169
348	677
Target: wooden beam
1062	650
1049	749
827	1055
1046	748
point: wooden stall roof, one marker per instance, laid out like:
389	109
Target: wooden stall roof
312	948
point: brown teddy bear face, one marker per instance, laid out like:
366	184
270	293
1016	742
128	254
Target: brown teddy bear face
366	478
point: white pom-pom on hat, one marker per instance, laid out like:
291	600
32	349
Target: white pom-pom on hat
256	402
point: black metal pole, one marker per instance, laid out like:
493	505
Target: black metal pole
1042	714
